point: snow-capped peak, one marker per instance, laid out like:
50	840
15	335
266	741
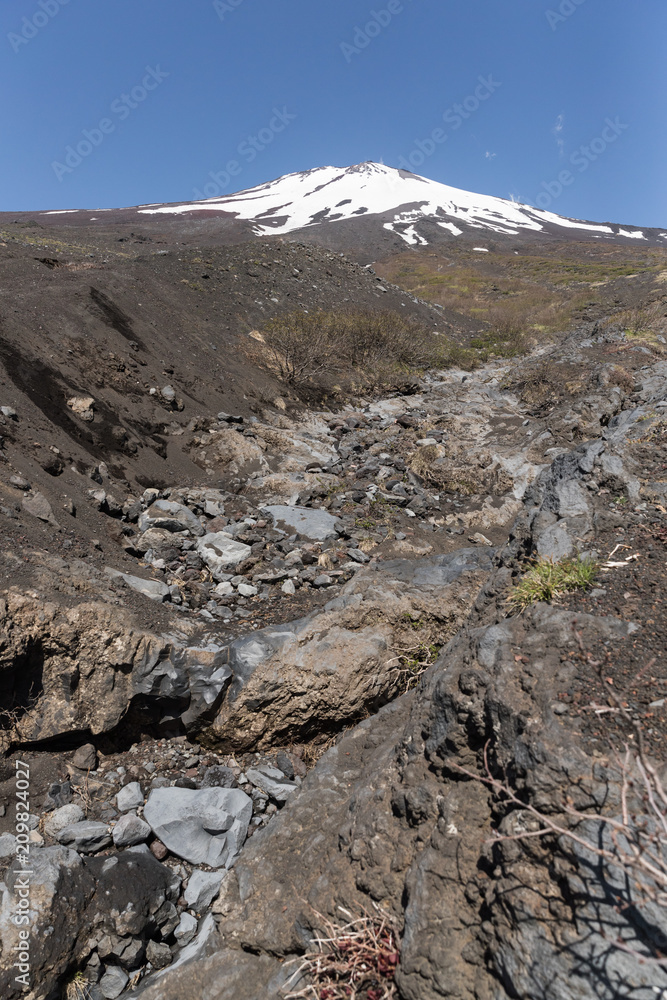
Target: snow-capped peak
333	194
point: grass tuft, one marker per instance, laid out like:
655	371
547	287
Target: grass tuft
547	580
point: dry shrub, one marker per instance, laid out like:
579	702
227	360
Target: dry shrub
340	352
352	959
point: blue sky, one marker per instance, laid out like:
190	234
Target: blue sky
186	86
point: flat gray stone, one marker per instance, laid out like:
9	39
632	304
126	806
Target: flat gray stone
130	830
85	837
221	552
62	817
171	516
153	589
203	826
272	781
316	525
202	889
130	797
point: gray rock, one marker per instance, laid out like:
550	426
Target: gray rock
218	776
207	826
316	525
153	589
358	556
220	552
572	499
168	393
7	846
85	758
130	797
171	516
9	412
20	482
272	781
86	837
130	830
59	794
62	817
555	542
186	929
39	507
113	982
201	890
158	954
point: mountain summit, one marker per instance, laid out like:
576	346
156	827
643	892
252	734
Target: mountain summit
418	210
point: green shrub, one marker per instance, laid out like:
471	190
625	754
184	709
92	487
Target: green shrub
548	579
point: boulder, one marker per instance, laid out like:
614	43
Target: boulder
85	758
171	516
315	525
293	680
220	552
207	826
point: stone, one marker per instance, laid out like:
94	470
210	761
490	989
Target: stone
285	764
82	407
85	758
170	515
158	850
113	982
85	837
555	542
316	525
272	781
246	590
288	587
9	412
218	776
358	556
186	930
322	581
221	552
7	846
39	507
223	589
130	796
572	499
168	393
153	589
63	817
158	954
20	482
130	830
207	826
201	890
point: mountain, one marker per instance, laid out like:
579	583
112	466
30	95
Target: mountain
414	208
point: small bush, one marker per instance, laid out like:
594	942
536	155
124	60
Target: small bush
351	351
548	579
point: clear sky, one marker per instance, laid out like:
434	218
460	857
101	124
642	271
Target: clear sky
183	87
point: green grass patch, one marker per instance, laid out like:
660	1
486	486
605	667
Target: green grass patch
547	580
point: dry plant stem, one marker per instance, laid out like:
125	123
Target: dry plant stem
353	960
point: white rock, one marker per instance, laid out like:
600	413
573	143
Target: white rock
246	590
224	589
186	930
